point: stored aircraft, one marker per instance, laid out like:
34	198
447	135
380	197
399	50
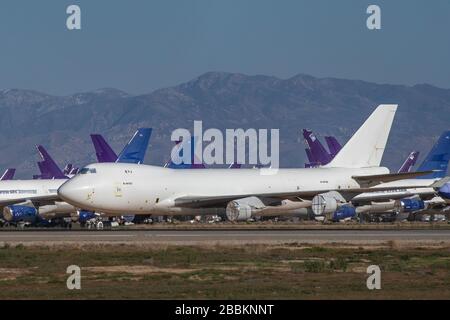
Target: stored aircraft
143	189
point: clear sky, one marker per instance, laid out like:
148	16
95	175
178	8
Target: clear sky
142	45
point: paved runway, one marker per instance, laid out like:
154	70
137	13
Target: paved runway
228	237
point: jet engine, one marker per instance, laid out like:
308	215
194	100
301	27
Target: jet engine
243	209
344	212
17	213
84	216
327	203
409	205
56	210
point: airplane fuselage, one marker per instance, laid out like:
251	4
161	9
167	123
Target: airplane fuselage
11	190
143	189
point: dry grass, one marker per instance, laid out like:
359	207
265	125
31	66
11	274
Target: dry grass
289	271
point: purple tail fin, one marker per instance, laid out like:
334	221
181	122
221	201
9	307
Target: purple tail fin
9	174
48	167
103	151
312	161
409	162
310	155
67	168
333	145
317	150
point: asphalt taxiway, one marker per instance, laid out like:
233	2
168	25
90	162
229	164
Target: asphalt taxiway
228	237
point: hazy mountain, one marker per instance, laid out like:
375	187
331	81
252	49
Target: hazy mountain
221	100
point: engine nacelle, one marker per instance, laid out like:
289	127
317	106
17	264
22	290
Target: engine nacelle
326	203
84	216
444	191
56	210
344	212
409	205
243	209
18	213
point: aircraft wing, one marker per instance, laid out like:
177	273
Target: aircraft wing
440	183
199	201
222	201
373	180
40	200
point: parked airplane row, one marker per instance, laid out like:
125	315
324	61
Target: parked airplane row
36	202
350	184
346	182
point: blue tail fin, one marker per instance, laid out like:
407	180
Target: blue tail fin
134	151
438	158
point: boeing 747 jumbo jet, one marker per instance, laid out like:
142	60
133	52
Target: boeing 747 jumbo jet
143	189
37	199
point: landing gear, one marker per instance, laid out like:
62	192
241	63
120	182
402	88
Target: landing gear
94	224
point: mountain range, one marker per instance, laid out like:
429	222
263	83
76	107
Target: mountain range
221	100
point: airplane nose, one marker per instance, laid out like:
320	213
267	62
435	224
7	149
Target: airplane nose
66	191
71	192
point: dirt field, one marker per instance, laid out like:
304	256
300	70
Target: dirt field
285	271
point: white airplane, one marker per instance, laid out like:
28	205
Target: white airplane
36	200
113	188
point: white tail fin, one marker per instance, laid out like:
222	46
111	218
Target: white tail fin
366	147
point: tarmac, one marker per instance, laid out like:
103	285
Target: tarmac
232	237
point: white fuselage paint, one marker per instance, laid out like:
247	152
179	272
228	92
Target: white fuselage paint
402	189
18	191
144	189
11	190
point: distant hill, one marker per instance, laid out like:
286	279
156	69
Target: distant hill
221	100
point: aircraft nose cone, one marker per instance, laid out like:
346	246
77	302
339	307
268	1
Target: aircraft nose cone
71	192
66	192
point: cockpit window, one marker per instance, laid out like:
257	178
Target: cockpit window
88	170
